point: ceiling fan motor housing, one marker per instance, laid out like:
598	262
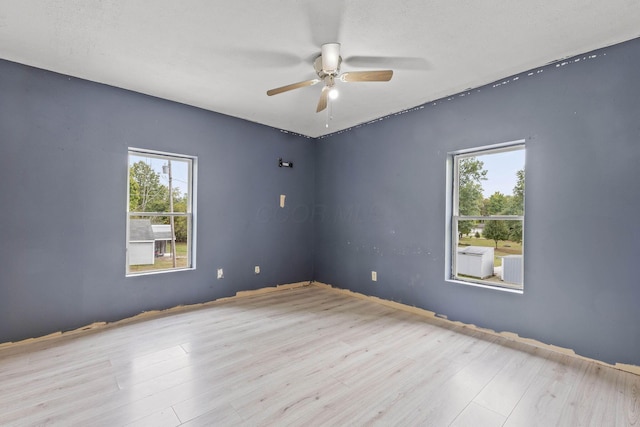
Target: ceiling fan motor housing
321	72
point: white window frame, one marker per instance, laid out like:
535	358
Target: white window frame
453	216
190	214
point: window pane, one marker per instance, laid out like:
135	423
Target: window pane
489	252
151	178
150	244
491	184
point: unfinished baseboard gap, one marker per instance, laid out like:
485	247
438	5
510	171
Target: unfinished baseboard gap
434	317
146	315
442	319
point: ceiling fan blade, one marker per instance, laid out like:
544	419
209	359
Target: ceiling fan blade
397	62
324	97
367	76
264	58
292	86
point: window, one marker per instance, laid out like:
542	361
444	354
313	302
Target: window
487	216
160	219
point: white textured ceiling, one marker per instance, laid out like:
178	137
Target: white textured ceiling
224	55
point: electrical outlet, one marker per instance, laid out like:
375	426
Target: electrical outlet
220	274
256	269
374	276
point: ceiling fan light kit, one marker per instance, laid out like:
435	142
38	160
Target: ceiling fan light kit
330	54
327	67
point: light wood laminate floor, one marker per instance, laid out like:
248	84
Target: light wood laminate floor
302	357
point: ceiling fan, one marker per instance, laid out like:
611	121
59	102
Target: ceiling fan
327	67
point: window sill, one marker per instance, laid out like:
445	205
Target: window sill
150	273
485	286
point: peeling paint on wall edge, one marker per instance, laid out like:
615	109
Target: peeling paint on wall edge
467	92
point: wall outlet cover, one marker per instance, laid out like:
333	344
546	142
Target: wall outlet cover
220	274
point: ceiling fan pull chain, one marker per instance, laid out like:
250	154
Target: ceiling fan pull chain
329	113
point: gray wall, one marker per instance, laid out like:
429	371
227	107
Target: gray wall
376	195
381	188
63	182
